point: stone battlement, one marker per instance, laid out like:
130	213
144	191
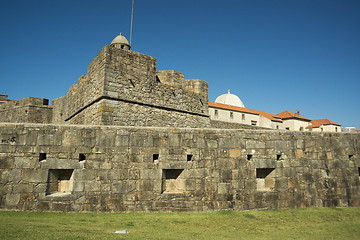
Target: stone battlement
30	109
124	88
127	137
113	168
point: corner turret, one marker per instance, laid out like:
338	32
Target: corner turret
120	42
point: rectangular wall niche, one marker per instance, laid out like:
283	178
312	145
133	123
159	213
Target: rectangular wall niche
265	180
155	157
173	181
42	157
60	181
82	157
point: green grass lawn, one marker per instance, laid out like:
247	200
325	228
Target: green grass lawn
327	223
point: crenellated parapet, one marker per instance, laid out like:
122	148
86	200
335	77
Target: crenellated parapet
30	109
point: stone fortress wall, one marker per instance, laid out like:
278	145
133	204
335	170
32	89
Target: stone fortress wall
114	168
127	137
125	89
30	109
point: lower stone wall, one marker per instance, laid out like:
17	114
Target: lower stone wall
26	113
233	125
122	113
103	168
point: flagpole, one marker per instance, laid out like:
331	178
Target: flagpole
132	17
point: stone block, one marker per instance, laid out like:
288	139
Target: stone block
12	199
145	185
31	138
70	138
225	163
23	188
174	140
92	186
123	186
6	161
25	162
152	174
78	186
105	137
6	148
234	153
200	143
299	153
34	175
54	163
60	207
254	144
141	140
122	140
223	188
329	156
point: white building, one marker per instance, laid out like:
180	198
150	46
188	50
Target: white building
229	108
324	125
293	121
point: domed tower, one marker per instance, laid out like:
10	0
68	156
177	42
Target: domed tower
120	42
230	99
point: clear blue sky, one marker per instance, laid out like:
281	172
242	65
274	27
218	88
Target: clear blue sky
275	55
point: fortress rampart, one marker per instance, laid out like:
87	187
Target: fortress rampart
30	109
123	88
114	168
127	137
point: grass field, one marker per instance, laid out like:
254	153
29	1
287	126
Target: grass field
327	223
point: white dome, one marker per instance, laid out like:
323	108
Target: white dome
120	41
230	99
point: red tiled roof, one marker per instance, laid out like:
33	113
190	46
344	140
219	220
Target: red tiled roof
287	114
319	122
270	116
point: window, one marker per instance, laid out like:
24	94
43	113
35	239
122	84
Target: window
263	172
287	128
253	123
336	129
301	129
216	113
59	181
172	181
231	115
264	179
243	116
82	157
42	156
157	79
322	129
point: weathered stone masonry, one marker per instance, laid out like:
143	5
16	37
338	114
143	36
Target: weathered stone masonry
114	168
124	88
128	137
